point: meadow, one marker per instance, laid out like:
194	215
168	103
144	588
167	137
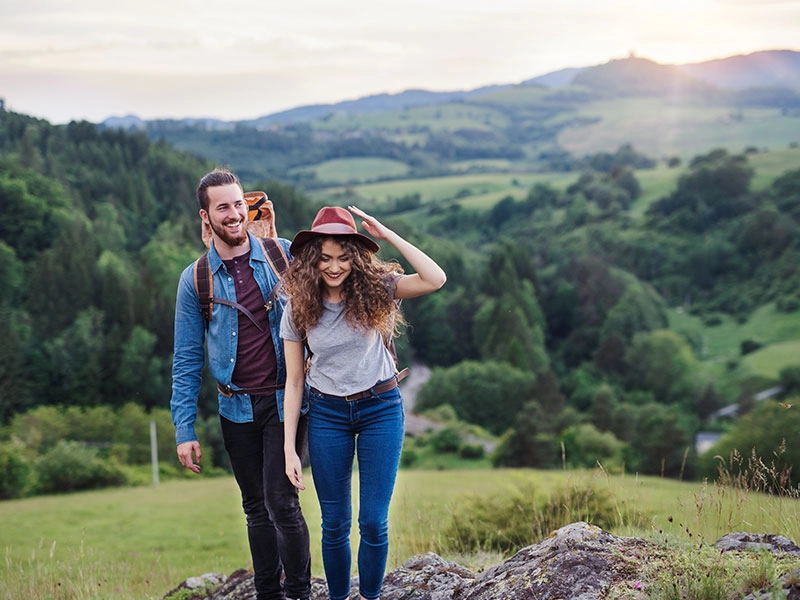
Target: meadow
139	543
481	191
660	128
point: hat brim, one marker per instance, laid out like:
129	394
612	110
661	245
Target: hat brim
331	229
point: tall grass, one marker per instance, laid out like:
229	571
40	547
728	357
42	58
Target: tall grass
138	543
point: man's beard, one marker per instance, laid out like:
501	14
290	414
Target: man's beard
226	237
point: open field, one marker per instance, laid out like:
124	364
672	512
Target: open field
778	333
721	342
138	543
435	117
660	128
482	191
344	170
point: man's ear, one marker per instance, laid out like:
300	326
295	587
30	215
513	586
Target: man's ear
206	234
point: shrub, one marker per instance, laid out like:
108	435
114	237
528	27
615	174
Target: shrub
510	523
586	446
408	458
14	471
71	466
748	346
447	439
787	304
471	451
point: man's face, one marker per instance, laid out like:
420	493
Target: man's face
227	214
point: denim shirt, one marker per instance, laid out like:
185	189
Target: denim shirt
222	334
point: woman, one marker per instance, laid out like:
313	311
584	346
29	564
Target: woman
343	308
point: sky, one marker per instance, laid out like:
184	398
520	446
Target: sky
242	59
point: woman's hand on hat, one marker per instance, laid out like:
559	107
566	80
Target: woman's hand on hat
372	226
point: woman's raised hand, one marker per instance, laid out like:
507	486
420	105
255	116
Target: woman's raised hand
372	226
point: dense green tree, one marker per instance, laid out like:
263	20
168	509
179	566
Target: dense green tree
761	447
586	446
785	192
639	309
715	188
663	441
77	360
142	375
662	362
603	409
526	445
487	393
14	362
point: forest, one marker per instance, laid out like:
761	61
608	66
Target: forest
553	334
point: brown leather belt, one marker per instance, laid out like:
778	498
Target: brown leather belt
381	388
266	390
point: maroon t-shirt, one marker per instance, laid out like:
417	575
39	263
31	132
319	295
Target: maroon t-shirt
256	364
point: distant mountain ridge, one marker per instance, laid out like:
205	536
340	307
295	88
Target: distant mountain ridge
767	68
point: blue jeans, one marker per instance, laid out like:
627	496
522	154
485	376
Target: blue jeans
276	530
372	430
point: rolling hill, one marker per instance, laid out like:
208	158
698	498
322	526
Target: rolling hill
544	124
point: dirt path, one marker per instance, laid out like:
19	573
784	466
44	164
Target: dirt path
418	375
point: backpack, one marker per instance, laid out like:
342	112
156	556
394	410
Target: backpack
204	281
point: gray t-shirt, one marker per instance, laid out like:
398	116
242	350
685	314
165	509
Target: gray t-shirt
345	360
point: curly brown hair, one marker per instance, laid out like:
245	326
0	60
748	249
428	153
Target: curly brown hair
368	302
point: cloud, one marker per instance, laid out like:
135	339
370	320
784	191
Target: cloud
150	53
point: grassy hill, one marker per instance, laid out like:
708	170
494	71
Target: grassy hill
661	110
660	127
138	543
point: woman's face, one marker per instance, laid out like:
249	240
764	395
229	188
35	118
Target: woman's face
334	265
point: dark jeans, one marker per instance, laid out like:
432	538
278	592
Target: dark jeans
276	529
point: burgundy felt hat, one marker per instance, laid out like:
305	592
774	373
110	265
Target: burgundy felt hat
332	220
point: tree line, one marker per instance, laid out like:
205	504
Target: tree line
552	332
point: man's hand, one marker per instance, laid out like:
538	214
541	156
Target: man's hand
186	451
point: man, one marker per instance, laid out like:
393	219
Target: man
245	355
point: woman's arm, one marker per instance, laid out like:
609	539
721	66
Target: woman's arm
292	401
428	277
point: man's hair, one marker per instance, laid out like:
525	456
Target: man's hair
215	178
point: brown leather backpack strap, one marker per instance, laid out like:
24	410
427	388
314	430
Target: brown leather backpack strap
278	261
204	285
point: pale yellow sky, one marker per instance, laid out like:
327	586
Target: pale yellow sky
89	59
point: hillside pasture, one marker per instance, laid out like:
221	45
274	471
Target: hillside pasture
433	190
766	326
355	170
660	128
769	361
773	163
719	346
138	543
437	117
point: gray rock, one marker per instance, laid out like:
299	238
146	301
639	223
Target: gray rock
577	562
757	541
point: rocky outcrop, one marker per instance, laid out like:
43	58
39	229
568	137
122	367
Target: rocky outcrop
578	562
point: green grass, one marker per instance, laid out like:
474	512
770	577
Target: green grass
482	191
772	164
659	128
777	332
138	543
437	117
768	362
766	326
469	188
344	170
